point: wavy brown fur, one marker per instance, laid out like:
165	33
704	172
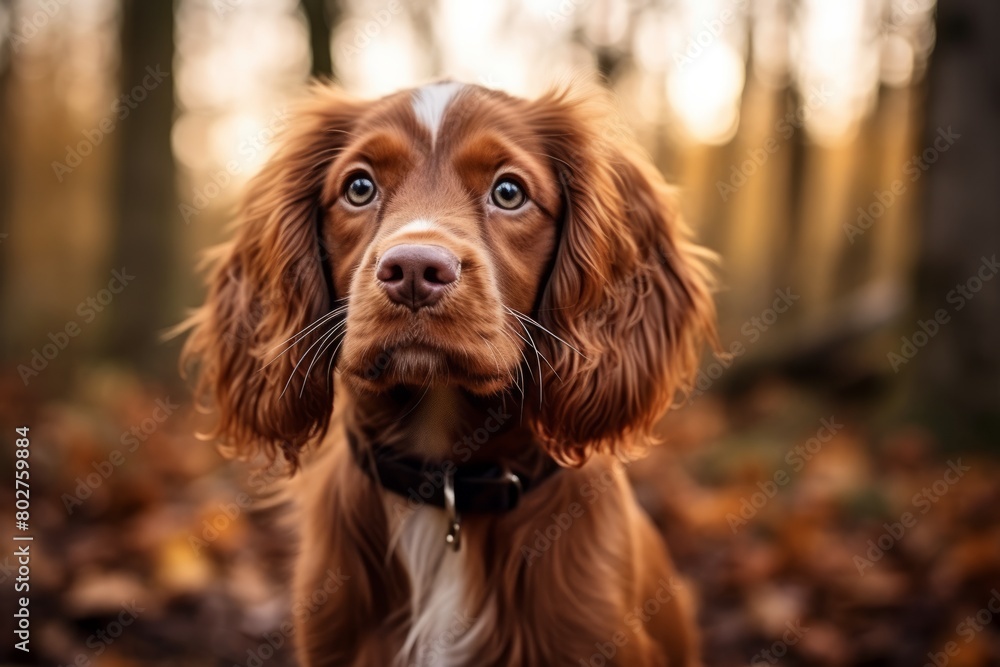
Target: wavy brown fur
622	317
629	290
265	287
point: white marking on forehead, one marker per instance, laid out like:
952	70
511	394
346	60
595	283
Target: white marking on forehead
430	103
418	225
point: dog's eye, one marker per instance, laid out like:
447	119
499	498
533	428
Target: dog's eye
360	190
508	195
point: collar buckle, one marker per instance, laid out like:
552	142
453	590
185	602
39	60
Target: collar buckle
453	538
515	482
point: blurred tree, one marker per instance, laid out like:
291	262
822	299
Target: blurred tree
321	15
422	15
6	151
147	218
959	368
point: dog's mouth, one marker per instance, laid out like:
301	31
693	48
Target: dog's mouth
422	355
420	365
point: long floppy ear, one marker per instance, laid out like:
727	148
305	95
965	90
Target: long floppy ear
268	285
628	289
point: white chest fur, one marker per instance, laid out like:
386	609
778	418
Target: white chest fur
445	630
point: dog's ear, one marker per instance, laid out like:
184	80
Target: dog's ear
252	340
629	293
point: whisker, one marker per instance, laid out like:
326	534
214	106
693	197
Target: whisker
325	336
525	318
522	385
520	375
493	351
304	355
330	337
539	354
521	351
523	389
520	369
309	327
301	335
427	388
541	385
333	356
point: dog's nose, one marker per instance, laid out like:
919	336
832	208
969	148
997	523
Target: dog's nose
416	275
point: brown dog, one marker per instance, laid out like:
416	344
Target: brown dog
506	301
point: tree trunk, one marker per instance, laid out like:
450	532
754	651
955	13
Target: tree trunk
6	165
147	218
958	368
321	16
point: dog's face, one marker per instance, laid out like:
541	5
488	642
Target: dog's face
455	236
442	220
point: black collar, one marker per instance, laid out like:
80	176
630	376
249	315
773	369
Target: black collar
475	488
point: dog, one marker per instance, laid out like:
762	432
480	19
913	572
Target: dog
504	300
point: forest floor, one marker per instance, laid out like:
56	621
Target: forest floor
809	538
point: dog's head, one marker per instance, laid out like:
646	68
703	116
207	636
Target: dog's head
454	235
